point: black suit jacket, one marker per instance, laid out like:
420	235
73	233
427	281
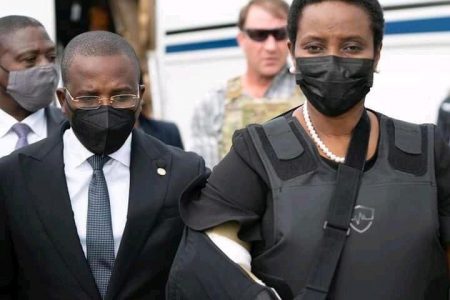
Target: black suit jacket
166	132
40	252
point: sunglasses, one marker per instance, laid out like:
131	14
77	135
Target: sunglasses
260	35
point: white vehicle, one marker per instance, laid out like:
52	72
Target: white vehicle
41	10
197	51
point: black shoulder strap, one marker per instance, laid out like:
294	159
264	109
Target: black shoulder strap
408	137
282	139
340	210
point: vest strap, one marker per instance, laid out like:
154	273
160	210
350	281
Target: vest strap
340	211
282	139
408	137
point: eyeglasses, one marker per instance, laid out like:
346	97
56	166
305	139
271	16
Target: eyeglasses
260	35
94	102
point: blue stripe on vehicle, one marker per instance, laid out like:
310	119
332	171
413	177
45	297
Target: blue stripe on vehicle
418	26
205	45
441	24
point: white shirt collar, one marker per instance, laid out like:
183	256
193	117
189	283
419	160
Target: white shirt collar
79	154
36	121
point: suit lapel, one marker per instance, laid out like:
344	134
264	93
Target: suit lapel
147	192
45	179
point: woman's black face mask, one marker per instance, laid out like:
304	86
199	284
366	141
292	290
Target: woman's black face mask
332	84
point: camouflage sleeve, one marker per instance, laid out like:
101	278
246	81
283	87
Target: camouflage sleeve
206	126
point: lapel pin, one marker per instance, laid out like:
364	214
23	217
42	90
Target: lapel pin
160	164
161	171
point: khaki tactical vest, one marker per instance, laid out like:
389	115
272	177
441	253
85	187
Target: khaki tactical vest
242	110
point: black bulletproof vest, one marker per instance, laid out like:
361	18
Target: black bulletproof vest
393	250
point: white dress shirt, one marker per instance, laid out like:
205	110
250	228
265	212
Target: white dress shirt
8	138
78	176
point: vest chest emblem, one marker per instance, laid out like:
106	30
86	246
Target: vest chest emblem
362	219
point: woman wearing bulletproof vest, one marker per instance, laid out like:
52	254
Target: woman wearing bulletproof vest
331	200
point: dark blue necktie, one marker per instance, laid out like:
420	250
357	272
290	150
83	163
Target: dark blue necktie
22	130
99	237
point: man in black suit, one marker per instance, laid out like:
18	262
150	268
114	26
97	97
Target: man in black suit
92	212
28	79
166	132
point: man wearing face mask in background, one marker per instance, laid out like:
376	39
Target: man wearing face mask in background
28	80
108	226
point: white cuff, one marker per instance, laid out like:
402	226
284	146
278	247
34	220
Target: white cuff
232	249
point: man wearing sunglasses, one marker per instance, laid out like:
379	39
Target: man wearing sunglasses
92	212
265	90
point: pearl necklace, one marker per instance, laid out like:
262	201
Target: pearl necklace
317	140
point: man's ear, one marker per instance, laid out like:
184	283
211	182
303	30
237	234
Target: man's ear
141	90
240	38
61	95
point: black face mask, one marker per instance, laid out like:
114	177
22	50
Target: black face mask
332	84
102	130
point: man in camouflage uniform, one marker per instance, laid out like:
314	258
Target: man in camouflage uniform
264	91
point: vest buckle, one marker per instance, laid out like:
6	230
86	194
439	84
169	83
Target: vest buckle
326	225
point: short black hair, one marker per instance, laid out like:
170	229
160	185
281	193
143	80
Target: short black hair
96	43
372	7
12	23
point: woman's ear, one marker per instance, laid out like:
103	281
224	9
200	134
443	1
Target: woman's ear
376	59
293	67
290	46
